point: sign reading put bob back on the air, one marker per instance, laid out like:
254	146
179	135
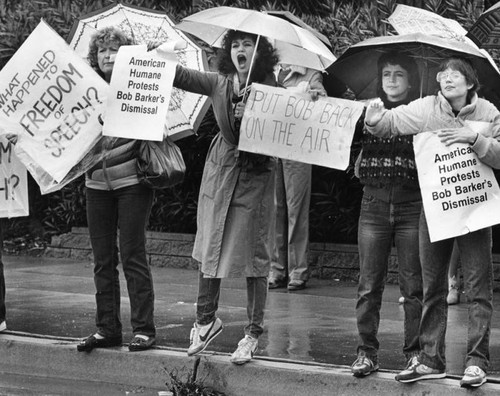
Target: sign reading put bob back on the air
140	90
286	124
460	193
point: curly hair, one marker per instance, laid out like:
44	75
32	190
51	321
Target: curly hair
265	60
408	64
104	36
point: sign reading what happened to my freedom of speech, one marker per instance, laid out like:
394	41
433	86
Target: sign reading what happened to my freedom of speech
54	98
286	124
140	90
460	193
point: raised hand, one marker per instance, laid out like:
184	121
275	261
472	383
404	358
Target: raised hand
374	112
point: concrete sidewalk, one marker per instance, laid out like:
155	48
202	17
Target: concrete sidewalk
309	343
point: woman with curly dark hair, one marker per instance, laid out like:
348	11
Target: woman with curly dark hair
236	208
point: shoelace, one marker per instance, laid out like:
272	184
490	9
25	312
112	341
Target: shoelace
412	363
473	371
246	345
361	361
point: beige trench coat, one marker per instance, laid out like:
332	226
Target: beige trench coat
236	209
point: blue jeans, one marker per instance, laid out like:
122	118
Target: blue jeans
477	268
126	209
208	302
379	224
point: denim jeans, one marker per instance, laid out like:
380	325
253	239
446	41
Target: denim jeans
380	223
126	209
2	279
208	302
477	268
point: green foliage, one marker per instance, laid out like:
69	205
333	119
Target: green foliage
335	195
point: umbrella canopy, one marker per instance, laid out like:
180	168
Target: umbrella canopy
186	110
357	67
288	16
295	45
486	31
333	86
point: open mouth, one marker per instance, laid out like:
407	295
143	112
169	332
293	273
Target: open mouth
242	60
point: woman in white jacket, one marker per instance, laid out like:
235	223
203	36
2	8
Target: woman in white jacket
448	112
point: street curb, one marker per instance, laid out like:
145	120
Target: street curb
57	358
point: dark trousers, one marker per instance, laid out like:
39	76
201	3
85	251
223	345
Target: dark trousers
2	279
128	210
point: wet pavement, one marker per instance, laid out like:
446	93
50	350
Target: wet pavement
56	297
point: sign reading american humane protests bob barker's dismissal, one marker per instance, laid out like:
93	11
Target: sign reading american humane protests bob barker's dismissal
140	90
460	193
286	124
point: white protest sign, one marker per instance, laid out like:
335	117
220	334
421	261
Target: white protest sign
55	98
406	19
13	182
460	193
286	124
140	90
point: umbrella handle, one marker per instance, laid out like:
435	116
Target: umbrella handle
251	66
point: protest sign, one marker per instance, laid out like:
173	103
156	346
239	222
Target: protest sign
286	124
460	193
13	182
406	19
55	98
139	94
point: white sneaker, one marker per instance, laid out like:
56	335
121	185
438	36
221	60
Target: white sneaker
202	335
473	376
3	326
246	348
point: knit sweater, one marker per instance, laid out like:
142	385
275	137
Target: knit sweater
387	166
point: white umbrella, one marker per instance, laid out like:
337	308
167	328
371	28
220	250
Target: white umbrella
294	44
186	110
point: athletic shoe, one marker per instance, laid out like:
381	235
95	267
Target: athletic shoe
3	326
419	371
246	348
202	335
473	377
364	365
411	361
